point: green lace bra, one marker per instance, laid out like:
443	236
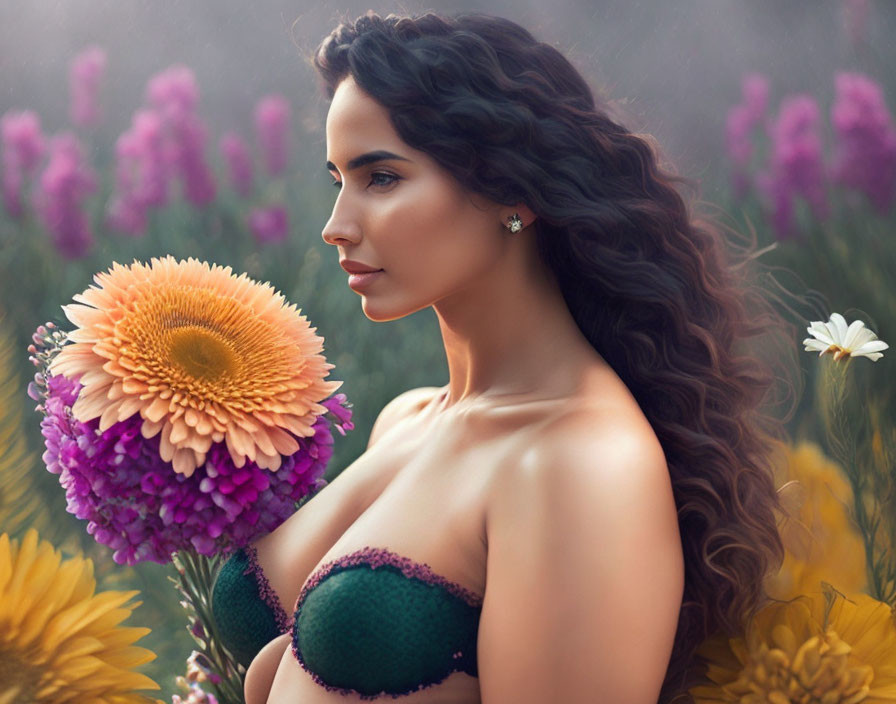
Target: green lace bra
370	623
246	610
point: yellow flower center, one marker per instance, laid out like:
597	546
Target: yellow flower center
819	672
201	353
19	682
838	351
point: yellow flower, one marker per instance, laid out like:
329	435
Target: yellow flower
60	641
819	649
821	541
202	355
853	341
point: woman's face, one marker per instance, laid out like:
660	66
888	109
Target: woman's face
404	214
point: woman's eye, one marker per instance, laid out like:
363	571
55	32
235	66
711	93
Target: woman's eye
373	179
374	175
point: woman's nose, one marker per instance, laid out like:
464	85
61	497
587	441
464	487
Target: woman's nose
335	234
340	229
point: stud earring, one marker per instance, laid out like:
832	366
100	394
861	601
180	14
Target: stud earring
516	224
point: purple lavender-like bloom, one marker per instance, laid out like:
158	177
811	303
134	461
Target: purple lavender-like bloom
272	122
141	173
151	186
174	89
138	506
63	186
23	146
85	76
239	162
866	150
796	164
270	224
174	95
189	135
741	121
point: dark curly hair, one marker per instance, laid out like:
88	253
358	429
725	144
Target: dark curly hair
655	290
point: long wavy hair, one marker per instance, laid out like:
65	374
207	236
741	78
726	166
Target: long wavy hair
655	290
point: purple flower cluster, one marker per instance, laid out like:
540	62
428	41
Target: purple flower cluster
865	157
270	224
63	186
167	138
239	162
138	506
796	165
86	73
272	124
742	119
23	147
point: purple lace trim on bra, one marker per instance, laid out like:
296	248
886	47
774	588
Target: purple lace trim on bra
268	595
376	557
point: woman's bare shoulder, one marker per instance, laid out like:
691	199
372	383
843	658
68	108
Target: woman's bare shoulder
405	404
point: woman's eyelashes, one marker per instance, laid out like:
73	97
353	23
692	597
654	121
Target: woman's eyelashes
373	179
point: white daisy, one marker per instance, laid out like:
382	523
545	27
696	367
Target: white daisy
853	341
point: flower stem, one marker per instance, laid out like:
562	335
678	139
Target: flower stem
196	583
833	395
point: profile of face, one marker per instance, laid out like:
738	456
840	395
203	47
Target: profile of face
405	214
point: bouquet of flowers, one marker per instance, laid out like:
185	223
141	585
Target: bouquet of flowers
186	415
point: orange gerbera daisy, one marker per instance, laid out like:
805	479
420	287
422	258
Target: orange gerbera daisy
202	355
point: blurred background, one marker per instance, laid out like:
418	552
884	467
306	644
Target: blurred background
137	129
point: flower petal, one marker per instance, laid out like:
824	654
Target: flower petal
839	328
821	331
852	333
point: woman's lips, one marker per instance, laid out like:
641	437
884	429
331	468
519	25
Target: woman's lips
357	281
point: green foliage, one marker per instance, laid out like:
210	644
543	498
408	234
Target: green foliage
20	505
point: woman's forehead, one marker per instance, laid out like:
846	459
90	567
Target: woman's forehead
356	117
358	124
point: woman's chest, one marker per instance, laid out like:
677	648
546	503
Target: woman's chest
422	497
403	582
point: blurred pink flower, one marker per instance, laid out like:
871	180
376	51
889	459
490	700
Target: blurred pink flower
270	224
239	162
174	95
23	146
741	121
86	73
754	91
141	174
189	137
865	157
796	166
175	88
272	125
64	185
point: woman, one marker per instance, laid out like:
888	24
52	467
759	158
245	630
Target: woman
591	494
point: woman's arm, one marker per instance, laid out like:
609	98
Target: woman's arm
585	570
260	675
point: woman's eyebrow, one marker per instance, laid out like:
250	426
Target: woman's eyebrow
368	158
